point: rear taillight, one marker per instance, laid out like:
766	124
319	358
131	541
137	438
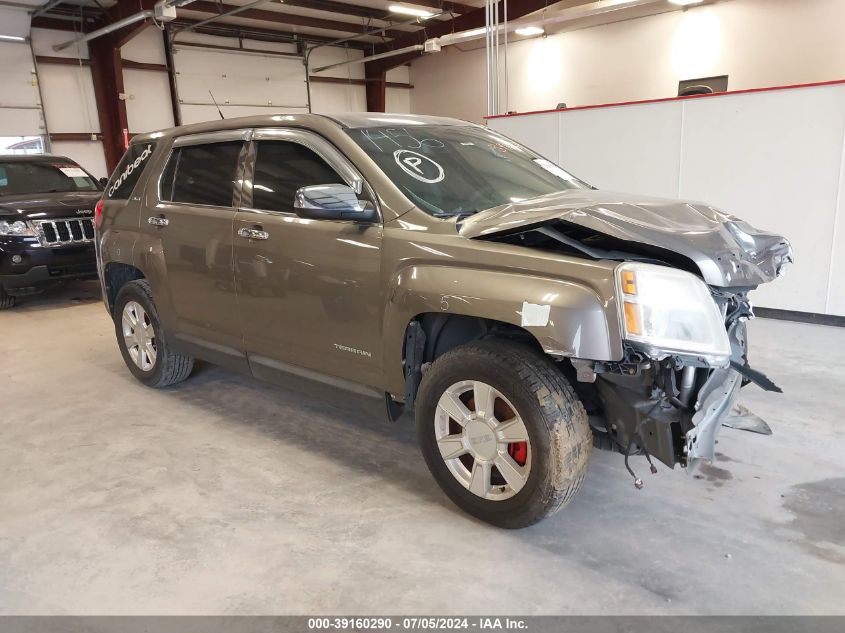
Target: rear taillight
98	212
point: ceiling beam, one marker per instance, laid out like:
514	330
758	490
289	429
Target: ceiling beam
71	25
45	7
448	7
231	12
277	17
376	14
340	8
265	35
318	79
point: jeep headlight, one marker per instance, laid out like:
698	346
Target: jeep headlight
669	311
17	227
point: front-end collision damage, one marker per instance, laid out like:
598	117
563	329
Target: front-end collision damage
723	250
666	405
670	408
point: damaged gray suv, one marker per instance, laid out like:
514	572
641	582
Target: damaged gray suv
521	314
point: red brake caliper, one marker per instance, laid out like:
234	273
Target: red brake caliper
519	452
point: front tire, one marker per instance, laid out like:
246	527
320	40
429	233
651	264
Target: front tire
143	341
7	301
502	432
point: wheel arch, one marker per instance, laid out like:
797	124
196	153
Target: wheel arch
456	305
446	331
115	276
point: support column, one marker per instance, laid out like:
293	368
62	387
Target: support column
376	86
107	75
171	77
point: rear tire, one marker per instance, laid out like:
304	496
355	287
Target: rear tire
143	341
526	387
6	301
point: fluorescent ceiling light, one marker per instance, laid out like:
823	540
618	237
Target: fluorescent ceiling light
529	30
684	3
417	13
472	32
12	38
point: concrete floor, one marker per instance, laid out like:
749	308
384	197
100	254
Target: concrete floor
225	495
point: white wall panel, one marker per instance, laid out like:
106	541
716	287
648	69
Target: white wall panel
329	98
89	154
17	79
755	42
147	47
400	73
20	108
69	102
397	100
773	158
328	55
634	149
148	105
333	98
43	41
21	122
540	132
15	21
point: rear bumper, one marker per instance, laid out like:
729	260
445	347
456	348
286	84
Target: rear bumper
39	267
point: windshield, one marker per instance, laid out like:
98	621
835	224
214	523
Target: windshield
450	170
43	177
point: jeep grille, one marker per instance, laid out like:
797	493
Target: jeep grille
65	231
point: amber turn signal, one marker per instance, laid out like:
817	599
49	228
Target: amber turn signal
629	282
632	318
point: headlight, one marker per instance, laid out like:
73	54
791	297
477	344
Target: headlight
671	311
15	228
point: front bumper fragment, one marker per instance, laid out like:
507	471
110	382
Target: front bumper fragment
716	399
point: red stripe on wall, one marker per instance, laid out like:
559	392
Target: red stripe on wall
664	99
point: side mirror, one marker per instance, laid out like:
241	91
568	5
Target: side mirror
102	182
332	202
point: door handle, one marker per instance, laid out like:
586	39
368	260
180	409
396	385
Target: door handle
253	234
157	220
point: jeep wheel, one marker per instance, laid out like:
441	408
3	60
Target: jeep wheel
502	432
142	340
6	301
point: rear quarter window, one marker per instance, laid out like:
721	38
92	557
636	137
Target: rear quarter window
129	170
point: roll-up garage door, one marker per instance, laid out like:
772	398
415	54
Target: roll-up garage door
21	118
243	83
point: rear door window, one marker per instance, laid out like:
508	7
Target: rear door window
129	170
202	174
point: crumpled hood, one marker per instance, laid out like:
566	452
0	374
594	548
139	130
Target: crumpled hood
728	251
47	206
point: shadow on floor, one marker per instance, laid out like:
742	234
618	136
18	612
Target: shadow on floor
60	296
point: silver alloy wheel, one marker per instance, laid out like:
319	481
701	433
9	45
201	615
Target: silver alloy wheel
139	336
477	431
